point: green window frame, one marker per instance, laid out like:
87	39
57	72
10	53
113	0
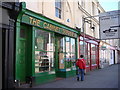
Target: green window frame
70	53
44	51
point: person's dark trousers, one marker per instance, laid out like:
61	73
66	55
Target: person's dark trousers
80	74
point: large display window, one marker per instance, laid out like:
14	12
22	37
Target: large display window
66	51
61	51
44	51
86	56
93	54
91	51
70	52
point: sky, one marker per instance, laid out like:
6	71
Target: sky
109	5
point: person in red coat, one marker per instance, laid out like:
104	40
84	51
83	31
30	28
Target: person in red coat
81	65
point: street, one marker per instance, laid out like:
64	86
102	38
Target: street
101	78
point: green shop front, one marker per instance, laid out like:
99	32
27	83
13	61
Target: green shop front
45	49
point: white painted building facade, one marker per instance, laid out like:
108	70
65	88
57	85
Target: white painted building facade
71	13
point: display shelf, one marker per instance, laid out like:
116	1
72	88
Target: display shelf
41	63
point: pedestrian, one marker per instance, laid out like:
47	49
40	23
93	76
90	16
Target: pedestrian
81	67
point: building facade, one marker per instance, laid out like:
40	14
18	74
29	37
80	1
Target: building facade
48	42
8	14
44	48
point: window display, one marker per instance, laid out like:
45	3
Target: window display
88	59
61	61
44	51
61	51
70	52
93	53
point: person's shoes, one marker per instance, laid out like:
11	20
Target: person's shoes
77	78
82	80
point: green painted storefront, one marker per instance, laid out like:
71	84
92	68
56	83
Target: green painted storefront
45	49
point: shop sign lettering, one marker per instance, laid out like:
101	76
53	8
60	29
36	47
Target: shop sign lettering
49	26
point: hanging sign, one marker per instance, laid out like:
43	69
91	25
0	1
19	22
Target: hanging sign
110	25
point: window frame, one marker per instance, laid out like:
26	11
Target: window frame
58	10
50	69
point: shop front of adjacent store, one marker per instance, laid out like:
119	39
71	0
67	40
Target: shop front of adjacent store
45	49
91	53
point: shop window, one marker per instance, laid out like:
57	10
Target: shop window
43	40
87	50
61	61
62	44
70	52
61	51
81	47
72	45
93	53
44	51
73	60
68	44
88	59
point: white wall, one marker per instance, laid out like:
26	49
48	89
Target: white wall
47	8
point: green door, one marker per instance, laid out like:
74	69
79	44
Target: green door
24	54
21	61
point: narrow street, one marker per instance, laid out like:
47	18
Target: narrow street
102	78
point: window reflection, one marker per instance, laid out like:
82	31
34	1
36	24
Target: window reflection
70	52
43	40
44	51
61	50
68	44
93	53
61	61
72	45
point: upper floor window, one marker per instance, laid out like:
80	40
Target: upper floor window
58	8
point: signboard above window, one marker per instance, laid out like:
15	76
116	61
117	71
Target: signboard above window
48	26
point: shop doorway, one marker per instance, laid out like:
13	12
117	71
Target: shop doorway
60	53
24	56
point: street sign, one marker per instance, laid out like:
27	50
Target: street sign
110	25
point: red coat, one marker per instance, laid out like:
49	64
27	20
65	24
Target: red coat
81	63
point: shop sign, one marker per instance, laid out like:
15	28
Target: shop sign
46	25
110	25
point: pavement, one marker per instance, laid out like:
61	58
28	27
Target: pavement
100	78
